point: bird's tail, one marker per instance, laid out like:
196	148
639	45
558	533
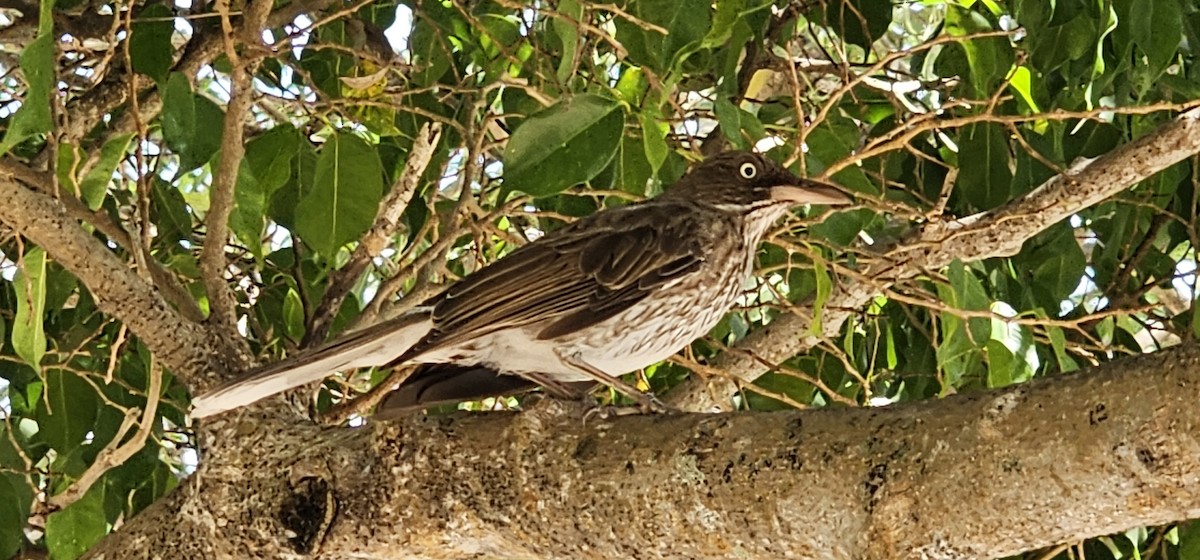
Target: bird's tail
375	345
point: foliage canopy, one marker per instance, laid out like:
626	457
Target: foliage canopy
542	112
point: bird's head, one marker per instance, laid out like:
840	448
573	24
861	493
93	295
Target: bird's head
750	183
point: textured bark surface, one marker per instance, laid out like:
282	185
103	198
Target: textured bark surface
187	348
971	476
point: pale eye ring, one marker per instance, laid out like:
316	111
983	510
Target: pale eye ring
748	170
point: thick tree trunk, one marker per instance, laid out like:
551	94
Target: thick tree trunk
971	476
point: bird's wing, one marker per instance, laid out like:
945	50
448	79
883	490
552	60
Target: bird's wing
573	278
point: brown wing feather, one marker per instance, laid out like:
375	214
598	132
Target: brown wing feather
572	278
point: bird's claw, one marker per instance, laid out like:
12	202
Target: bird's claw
646	405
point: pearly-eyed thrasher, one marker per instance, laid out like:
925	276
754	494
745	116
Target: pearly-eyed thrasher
611	293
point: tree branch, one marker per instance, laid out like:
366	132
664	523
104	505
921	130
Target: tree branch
172	289
183	346
968	476
995	233
213	263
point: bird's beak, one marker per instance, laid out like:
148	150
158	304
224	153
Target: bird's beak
810	192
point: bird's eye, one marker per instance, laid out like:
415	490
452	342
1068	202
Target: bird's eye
748	170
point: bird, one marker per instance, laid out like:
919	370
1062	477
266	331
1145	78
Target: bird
606	295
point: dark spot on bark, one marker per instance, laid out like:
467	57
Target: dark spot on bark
835	449
1097	414
586	449
727	474
308	513
876	477
793	458
795	427
629	467
1148	458
707	437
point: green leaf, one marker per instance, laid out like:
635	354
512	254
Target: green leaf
431	52
73	530
654	139
1001	364
1195	318
137	483
66	414
960	351
835	138
191	124
984	179
630	170
1189	541
1156	27
70	159
970	295
169	212
989	58
858	22
726	17
563	145
347	186
1008	354
150	49
282	207
730	120
34	116
842	228
824	289
686	22
1021	81
29	334
1058	343
742	128
95	183
265	168
293	315
632	85
1059	274
568	34
15	499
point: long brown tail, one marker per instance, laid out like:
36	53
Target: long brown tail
373	346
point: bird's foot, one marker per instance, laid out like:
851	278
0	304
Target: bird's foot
646	405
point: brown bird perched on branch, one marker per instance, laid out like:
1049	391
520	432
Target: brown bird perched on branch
611	293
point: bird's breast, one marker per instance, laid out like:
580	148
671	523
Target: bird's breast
667	320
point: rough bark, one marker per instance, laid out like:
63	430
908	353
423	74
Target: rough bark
183	346
971	476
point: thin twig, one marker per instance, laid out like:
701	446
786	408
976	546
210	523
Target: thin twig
116	453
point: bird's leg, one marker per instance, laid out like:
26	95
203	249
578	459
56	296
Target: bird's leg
645	401
553	387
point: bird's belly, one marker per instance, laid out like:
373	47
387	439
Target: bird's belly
512	351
